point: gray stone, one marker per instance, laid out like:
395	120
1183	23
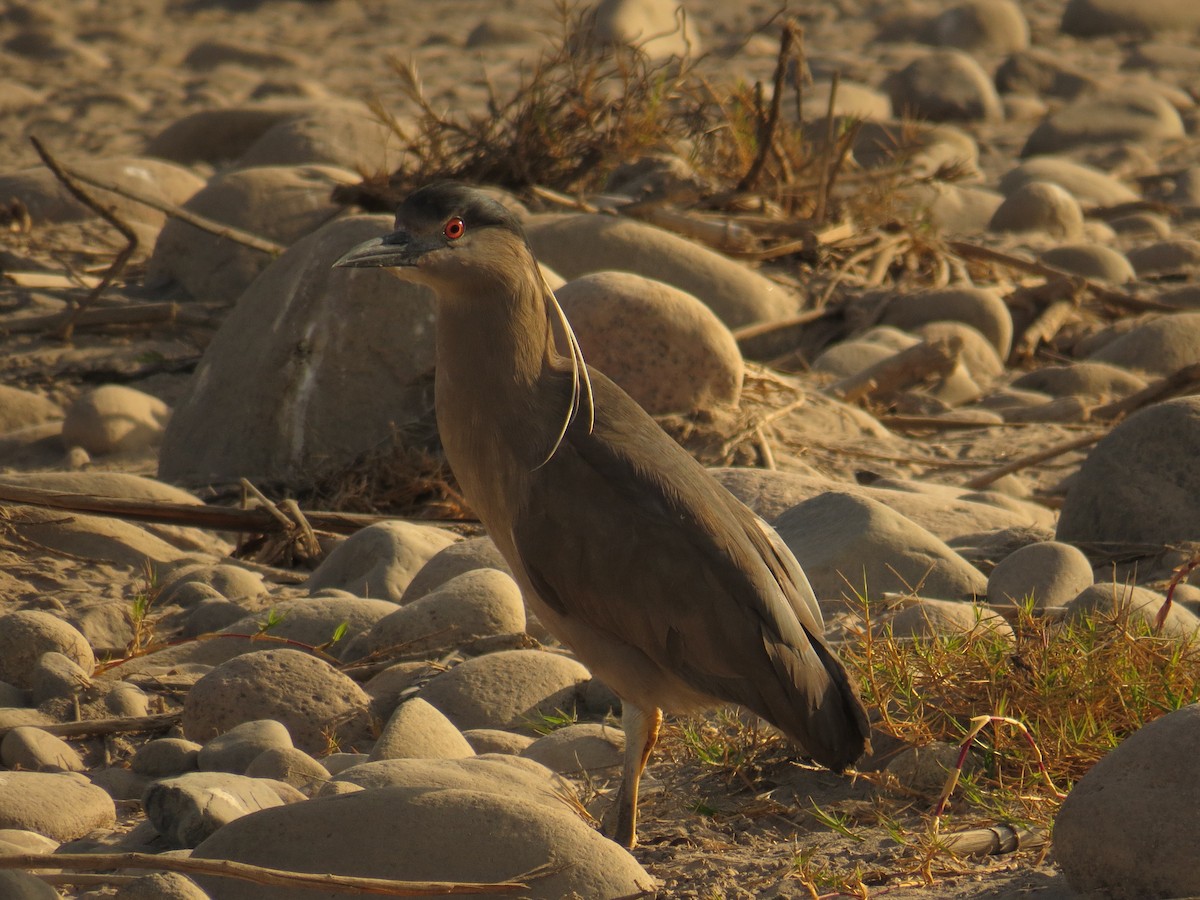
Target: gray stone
230	582
166	756
945	86
380	560
417	730
222	134
508	776
291	766
982	26
578	749
494	740
1179	256
1160	346
576	245
663	346
321	346
60	806
315	620
57	676
161	886
319	701
476	604
346	136
35	750
1039	206
847	543
1121	114
1091	18
922	148
1042	73
1102	601
27	634
926	618
653	26
1088	185
1109	832
114	419
21	409
509	688
452	561
188	808
981	308
23	886
1093	261
1051	573
1093	380
235	749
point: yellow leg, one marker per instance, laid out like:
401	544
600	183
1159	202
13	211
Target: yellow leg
641	733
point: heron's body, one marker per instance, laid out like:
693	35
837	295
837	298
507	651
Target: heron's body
669	589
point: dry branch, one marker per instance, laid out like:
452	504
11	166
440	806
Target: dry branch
1043	329
1178	382
138	314
217	518
994	840
1032	459
766	133
927	359
95	727
227	868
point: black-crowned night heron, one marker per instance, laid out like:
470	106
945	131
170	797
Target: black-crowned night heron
670	590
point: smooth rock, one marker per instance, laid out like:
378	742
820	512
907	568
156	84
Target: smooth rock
35	750
981	26
191	807
577	245
1086	184
1092	18
926	618
16	885
953	208
978	355
346	136
1092	261
508	776
848	544
114	419
313	410
1108	600
476	604
493	740
319	700
1039	206
925	769
1120	114
213	53
291	766
57	676
1049	572
1043	73
60	806
1109	832
278	203
417	730
165	757
229	581
396	683
922	148
220	135
234	750
506	689
1180	256
1093	380
22	409
944	86
577	749
316	620
654	27
981	308
97	538
161	886
27	634
421	834
450	562
380	560
1159	347
663	346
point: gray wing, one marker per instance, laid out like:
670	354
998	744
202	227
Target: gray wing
661	557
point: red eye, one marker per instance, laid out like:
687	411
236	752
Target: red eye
454	229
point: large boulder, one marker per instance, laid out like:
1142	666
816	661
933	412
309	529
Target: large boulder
321	347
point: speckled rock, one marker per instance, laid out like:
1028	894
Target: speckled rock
842	541
362	338
1108	835
663	346
577	245
347	136
509	688
1039	206
415	833
35	750
473	605
945	86
189	808
291	766
1121	114
494	740
235	749
981	308
166	756
380	560
60	806
1049	572
319	698
27	634
452	561
114	419
418	730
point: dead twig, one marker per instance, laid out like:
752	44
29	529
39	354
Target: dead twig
1032	459
228	868
1042	330
138	314
766	130
68	180
994	841
97	727
928	359
1178	382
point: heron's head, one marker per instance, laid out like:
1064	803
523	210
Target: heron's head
447	235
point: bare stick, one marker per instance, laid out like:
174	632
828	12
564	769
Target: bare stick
139	314
94	727
228	868
937	423
993	841
936	357
1042	329
766	131
827	151
106	213
1177	382
1032	459
217	518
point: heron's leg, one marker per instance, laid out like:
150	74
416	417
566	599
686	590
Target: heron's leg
641	732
